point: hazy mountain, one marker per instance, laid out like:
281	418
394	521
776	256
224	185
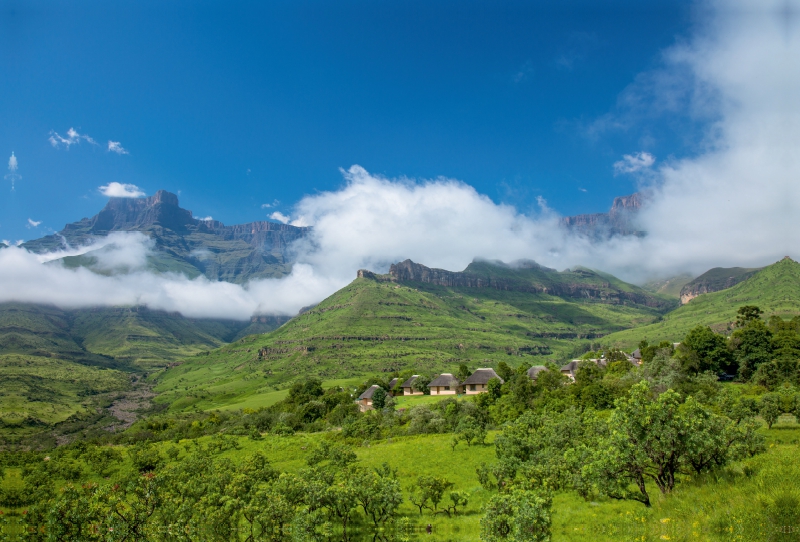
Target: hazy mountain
182	243
619	220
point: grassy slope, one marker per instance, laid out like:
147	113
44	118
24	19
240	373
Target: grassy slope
54	362
39	391
370	327
775	289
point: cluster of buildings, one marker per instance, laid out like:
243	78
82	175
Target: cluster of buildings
477	382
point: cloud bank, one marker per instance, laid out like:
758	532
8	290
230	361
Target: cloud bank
732	203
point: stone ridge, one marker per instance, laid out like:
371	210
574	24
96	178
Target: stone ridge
569	284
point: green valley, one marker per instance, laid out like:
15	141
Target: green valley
384	323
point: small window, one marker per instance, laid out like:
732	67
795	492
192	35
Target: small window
447	388
472	387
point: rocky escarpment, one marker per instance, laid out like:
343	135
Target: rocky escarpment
526	277
185	244
124	214
620	220
715	280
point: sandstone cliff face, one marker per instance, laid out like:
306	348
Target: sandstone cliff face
715	280
577	284
160	209
620	220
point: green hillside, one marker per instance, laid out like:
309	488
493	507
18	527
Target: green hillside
58	365
376	325
775	289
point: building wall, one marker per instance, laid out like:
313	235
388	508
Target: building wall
364	405
439	390
410	391
479	388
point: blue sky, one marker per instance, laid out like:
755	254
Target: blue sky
240	105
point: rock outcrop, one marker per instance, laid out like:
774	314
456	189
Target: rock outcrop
620	220
715	280
526	277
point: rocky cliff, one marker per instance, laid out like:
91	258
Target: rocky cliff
185	244
528	277
619	220
715	280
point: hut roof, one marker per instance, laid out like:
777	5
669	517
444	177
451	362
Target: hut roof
369	392
393	383
410	382
571	367
444	379
482	376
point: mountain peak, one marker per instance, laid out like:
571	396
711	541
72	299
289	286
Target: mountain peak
160	209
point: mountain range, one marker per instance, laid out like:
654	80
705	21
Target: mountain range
183	243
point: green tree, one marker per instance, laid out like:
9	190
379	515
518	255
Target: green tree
505	371
753	347
648	439
429	491
378	493
703	350
770	408
458	499
379	399
494	389
747	314
521	516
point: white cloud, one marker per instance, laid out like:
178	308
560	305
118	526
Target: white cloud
73	138
280	217
200	297
120	190
115	146
633	163
12	163
33	223
204	218
274	203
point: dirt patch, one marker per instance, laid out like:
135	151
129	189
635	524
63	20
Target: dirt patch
127	406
